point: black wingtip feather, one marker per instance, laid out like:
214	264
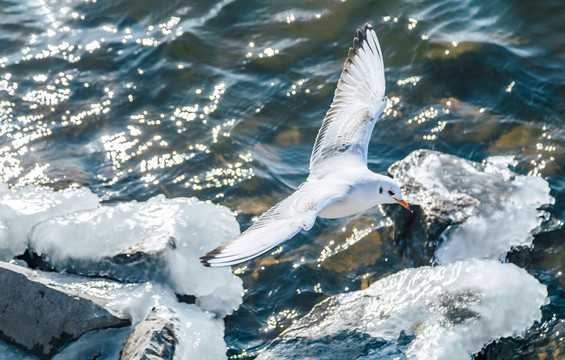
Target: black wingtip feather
360	36
350	56
204	260
210	255
357	41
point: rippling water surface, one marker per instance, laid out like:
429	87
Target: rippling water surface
222	100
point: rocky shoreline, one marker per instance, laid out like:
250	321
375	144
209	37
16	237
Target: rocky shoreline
455	282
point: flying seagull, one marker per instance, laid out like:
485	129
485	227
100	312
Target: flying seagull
339	184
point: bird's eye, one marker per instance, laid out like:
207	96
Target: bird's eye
390	193
381	190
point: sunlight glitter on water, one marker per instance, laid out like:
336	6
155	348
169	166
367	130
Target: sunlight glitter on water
131	150
139	120
280	320
332	249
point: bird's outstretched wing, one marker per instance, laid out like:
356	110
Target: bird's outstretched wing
278	224
358	101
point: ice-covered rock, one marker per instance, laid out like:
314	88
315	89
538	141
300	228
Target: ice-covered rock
176	331
485	207
21	209
138	241
156	242
198	334
40	316
65	306
435	313
127	241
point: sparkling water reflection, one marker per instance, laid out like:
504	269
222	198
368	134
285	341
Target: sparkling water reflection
222	100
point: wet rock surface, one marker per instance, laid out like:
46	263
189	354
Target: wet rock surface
152	339
40	316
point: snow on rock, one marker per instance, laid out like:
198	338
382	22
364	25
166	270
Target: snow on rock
485	207
444	312
171	233
21	209
203	335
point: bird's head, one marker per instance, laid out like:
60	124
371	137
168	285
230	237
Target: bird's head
390	193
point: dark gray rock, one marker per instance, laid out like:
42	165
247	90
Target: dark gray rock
152	339
40	316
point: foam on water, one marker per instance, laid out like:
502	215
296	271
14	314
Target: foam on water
504	218
444	312
21	209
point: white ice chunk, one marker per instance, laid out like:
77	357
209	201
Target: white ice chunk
449	312
21	209
195	226
505	220
202	335
106	230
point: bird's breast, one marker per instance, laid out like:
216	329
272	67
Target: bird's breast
359	200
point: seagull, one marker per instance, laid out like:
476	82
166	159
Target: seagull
339	183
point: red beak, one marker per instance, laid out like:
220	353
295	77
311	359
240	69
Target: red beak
404	204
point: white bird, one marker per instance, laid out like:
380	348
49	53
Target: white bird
339	184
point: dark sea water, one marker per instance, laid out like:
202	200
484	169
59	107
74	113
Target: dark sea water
222	100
